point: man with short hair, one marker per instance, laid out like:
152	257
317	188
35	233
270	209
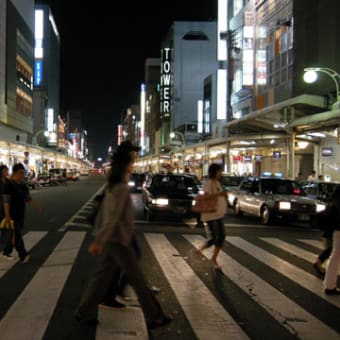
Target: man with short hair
16	194
312	176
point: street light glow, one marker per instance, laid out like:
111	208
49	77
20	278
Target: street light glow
310	76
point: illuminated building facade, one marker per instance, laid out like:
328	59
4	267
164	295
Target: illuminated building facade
270	44
188	56
46	77
152	104
16	69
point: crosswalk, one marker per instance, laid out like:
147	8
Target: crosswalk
267	288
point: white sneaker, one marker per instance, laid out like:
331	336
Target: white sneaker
7	256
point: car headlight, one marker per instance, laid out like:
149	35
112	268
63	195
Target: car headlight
160	201
231	197
193	202
284	205
320	207
131	184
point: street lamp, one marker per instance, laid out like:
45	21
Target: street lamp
311	75
173	135
34	138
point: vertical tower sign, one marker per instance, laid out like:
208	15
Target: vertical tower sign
166	80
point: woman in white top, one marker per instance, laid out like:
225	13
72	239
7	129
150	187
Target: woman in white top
215	219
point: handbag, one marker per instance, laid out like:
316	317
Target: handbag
204	204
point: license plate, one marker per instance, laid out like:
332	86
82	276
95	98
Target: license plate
303	217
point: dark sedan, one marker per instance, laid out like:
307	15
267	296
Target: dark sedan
170	196
322	191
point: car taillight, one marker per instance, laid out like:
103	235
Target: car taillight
297	191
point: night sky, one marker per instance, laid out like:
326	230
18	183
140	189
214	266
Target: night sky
104	45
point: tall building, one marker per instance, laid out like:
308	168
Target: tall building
16	69
152	104
46	78
283	123
188	56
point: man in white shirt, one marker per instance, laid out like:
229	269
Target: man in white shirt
312	176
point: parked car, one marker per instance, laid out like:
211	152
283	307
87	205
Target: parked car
31	182
58	175
321	191
45	179
272	199
170	195
72	175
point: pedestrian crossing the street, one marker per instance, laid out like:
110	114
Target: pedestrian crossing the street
267	288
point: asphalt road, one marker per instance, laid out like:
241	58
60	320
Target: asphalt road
268	288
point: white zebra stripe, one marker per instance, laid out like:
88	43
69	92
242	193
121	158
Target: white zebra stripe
29	316
314	243
297	320
296	274
290	248
187	286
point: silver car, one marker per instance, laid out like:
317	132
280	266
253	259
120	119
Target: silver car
271	198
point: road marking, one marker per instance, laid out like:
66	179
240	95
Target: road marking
209	320
296	274
30	314
30	240
314	243
85	207
127	323
290	248
297	320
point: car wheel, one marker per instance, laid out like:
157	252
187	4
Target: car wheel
237	208
265	215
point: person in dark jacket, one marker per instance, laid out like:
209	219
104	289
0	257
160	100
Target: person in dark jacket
331	276
16	195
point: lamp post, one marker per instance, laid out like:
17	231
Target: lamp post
311	75
34	138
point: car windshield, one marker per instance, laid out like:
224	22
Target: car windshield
137	177
281	187
323	189
231	181
164	184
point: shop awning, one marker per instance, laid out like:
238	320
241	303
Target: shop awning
276	117
317	121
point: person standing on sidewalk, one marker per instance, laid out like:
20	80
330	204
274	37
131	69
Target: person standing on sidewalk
331	276
16	195
112	244
213	188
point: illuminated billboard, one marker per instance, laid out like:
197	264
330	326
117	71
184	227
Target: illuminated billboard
166	81
38	72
